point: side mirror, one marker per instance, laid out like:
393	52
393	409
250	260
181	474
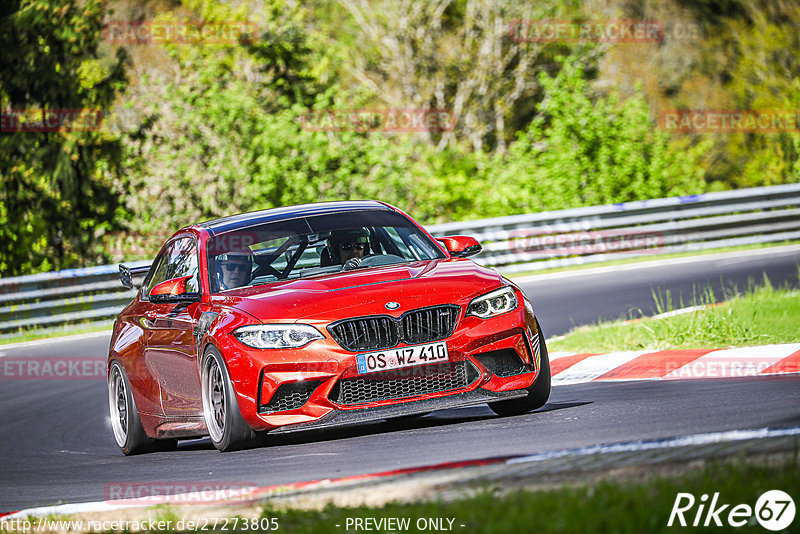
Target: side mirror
174	290
127	274
461	246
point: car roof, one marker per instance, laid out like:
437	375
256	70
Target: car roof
245	220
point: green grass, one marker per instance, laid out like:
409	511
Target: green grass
606	506
759	316
645	259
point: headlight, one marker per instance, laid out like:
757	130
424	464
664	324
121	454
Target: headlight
277	336
499	301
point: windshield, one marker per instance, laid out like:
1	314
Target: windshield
312	246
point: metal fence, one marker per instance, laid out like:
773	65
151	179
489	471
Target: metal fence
649	227
514	244
47	300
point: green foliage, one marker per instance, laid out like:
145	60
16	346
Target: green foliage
216	129
752	54
56	193
585	149
220	142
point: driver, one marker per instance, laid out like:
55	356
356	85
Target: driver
234	269
347	244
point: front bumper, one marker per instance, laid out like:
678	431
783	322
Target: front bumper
289	390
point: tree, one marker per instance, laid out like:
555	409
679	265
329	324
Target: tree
764	75
459	55
586	149
56	195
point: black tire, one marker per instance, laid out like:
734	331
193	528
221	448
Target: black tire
125	422
538	393
224	421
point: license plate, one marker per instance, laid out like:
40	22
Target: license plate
402	357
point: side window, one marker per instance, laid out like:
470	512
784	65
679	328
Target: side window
421	248
180	259
159	272
399	243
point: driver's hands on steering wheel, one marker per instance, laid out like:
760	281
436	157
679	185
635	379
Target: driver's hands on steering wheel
351	264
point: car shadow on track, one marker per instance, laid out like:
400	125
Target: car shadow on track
436	419
551	406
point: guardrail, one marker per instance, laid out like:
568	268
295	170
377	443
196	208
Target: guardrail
600	233
47	300
512	244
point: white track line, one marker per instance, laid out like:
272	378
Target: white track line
645	445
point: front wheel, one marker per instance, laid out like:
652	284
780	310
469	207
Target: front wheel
125	422
538	393
225	425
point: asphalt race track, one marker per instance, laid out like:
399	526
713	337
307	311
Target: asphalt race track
56	445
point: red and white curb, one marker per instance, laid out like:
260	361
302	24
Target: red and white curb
568	368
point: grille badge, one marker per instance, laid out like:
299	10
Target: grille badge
392	305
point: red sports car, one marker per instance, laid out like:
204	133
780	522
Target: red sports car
314	316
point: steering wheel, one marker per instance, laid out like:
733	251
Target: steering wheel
371	260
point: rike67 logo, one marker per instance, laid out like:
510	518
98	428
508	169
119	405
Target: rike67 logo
774	510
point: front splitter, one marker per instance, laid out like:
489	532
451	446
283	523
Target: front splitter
339	418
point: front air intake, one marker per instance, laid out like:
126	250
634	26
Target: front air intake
502	363
290	396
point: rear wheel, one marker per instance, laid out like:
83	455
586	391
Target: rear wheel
125	422
538	393
225	425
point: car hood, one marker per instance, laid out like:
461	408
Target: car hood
364	291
